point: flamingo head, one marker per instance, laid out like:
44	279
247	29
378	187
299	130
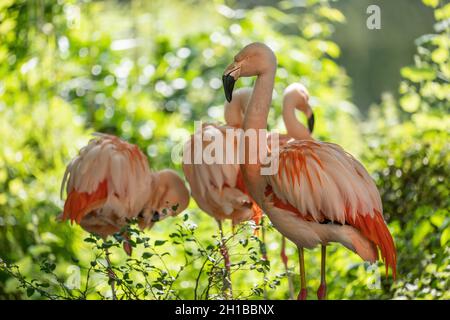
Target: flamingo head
296	94
170	198
253	60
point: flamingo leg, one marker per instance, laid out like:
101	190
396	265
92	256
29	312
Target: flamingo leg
227	287
322	291
302	295
284	258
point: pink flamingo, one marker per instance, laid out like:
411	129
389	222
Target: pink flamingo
320	193
218	188
234	115
110	182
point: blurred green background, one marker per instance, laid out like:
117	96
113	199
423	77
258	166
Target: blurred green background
145	70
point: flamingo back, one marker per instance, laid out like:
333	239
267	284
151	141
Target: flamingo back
218	188
321	182
108	176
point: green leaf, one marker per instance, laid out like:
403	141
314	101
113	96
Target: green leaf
416	74
160	242
147	255
422	230
158	286
445	236
438	218
30	292
443	13
44	285
431	3
410	102
331	14
440	55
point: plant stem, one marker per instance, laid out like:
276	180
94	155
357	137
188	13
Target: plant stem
227	289
111	275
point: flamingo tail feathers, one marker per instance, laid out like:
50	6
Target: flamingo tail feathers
78	204
375	229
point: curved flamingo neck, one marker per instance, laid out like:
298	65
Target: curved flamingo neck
294	127
256	118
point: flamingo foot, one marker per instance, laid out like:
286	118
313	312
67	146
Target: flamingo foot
322	292
303	294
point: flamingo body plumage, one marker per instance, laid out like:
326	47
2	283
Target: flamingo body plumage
314	191
110	182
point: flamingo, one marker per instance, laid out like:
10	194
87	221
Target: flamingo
320	193
234	112
110	182
218	188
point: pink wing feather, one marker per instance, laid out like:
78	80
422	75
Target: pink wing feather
320	181
218	188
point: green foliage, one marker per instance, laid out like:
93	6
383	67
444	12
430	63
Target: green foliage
149	273
426	84
410	165
409	156
69	68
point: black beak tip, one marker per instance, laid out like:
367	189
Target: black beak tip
311	123
228	86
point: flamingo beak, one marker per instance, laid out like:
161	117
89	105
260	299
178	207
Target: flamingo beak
229	78
311	123
228	86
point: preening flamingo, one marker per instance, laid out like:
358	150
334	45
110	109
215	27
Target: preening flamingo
110	182
218	188
320	193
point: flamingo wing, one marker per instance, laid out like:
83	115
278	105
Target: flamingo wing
320	182
218	187
108	173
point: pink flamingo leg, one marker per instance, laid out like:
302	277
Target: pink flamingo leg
322	291
302	295
227	287
284	258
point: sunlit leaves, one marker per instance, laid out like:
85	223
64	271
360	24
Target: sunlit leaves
431	3
418	74
410	102
331	13
443	13
421	231
445	237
